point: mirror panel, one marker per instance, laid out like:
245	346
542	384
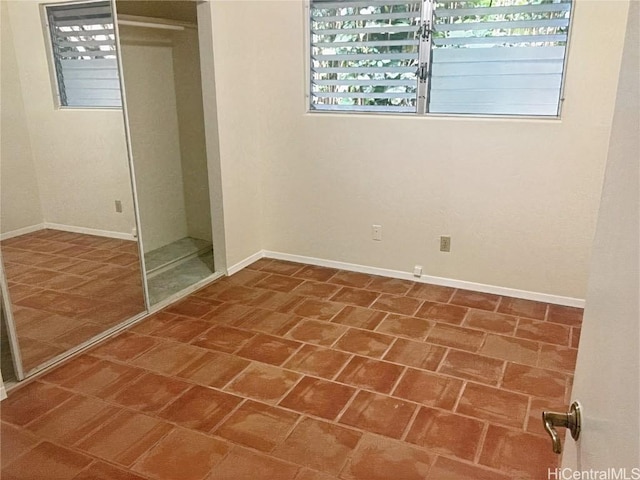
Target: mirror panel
159	40
68	224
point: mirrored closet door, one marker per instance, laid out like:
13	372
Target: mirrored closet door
68	225
162	83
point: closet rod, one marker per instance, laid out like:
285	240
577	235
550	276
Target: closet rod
149	22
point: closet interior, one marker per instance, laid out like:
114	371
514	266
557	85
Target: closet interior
161	75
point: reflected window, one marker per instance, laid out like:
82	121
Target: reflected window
84	54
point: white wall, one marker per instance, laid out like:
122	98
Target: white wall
607	378
186	70
518	197
155	139
79	155
20	197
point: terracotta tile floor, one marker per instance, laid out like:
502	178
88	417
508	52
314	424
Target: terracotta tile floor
285	371
66	288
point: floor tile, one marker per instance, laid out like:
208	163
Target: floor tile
31	402
543	332
73	420
472	367
278	301
359	317
70	369
318	309
319	274
47	461
268	349
238	294
104	471
510	348
457	337
182	455
247	277
230	314
534	381
491	322
403	326
317	397
449	469
354	296
446	433
168	357
370	374
442	312
280	283
182	329
267	321
149	393
200	408
394	286
415	354
351	279
317	290
575	337
397	304
432	293
263	382
523	308
429	389
283	267
192	307
308	474
566	315
518	454
317	332
243	464
213	369
364	342
379	458
318	361
468	298
555	357
125	437
494	405
225	339
125	346
319	445
379	414
14	442
257	426
373	377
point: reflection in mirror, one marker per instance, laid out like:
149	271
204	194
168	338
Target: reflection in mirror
161	70
67	214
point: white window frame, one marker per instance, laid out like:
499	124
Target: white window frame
51	60
427	114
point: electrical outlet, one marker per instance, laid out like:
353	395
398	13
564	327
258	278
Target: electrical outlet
445	243
376	232
417	271
118	206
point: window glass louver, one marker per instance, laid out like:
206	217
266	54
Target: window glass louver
483	57
84	53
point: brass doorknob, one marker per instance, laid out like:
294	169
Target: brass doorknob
571	420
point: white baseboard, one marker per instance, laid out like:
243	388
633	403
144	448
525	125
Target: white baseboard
3	392
445	282
22	231
246	262
89	231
